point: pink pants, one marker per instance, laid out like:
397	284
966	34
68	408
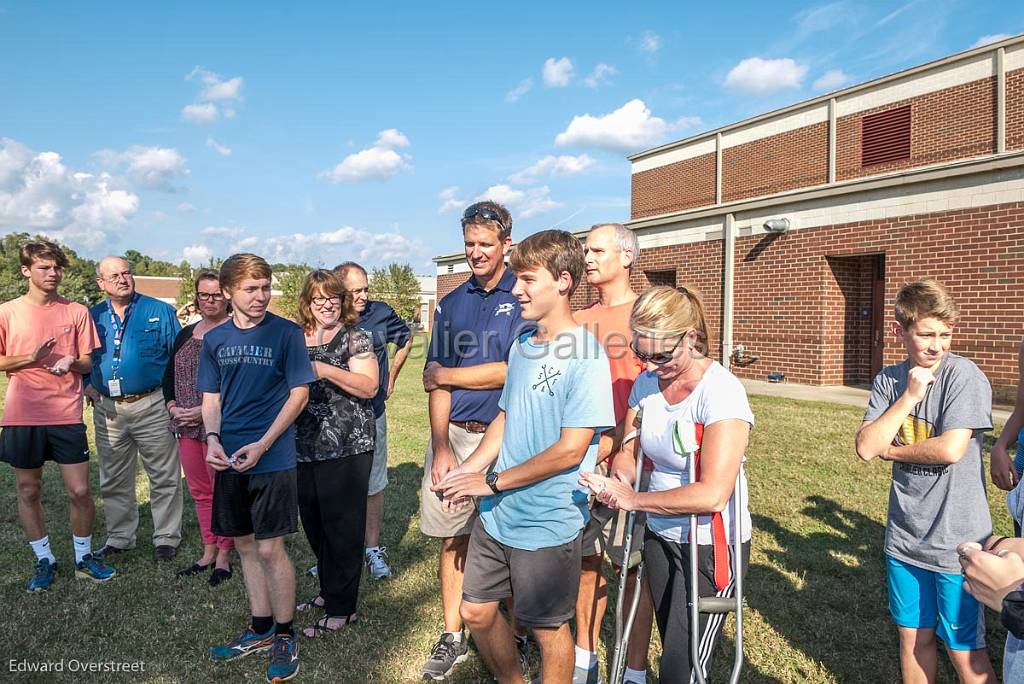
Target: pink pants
200	477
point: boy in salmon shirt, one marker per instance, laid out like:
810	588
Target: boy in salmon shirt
45	342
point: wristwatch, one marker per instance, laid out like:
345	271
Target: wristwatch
492	482
213	434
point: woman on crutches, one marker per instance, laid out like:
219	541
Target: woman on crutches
694	412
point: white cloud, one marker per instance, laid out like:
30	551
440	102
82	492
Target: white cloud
650	42
832	80
39	193
822	18
450	200
154	168
245	244
630	127
223	232
989	39
564	165
200	113
764	76
331	247
222	150
522	203
557	72
379	162
185	208
520	90
197	254
600	75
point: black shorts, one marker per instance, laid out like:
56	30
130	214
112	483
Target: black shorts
544	583
262	504
29	447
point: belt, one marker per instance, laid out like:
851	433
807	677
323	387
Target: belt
132	398
474	426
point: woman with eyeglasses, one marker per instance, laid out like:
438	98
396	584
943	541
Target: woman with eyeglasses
689	409
184	403
335	437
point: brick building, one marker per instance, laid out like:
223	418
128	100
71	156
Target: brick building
915	174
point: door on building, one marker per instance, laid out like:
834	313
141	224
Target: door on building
877	314
855	306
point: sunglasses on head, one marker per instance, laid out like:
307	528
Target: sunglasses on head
657	358
483	212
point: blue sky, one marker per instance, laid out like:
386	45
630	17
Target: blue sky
359	131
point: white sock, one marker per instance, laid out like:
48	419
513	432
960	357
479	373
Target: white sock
635	676
585	659
41	547
456	636
372	549
83	547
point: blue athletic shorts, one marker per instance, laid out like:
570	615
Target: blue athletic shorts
925	599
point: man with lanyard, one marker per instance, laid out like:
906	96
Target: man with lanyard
474	328
384	326
136	338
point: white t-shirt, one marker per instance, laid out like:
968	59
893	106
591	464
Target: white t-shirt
718	396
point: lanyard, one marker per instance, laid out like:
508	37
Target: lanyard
119	328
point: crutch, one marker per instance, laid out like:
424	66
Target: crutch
630	559
716	604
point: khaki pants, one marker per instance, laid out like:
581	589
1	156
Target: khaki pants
435	519
123	432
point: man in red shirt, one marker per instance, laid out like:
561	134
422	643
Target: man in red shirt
45	342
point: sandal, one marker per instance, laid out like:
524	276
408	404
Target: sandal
322	627
315	602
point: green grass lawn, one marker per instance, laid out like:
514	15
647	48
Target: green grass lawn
816	586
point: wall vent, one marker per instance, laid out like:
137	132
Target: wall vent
885	136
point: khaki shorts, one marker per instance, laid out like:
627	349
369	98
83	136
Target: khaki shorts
606	530
435	520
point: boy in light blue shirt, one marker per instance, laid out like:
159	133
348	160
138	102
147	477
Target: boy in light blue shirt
556	401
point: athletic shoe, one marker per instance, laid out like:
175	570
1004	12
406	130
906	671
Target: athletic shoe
284	659
42	577
377	564
582	675
245	643
313	570
445	655
94	568
523	651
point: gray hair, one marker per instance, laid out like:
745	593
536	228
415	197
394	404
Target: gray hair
625	239
99	264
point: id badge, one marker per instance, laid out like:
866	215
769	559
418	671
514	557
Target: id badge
114	387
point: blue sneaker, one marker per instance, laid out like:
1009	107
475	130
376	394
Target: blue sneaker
284	659
94	568
245	643
42	577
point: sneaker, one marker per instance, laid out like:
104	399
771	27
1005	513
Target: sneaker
94	568
445	655
313	570
245	643
42	576
583	675
523	651
284	659
377	563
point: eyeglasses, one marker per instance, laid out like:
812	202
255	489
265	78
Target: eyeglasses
209	297
357	292
657	358
114	277
485	213
322	301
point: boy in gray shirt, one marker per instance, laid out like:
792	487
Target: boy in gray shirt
928	415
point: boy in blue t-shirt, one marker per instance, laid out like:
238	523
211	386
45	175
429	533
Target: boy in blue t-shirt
557	400
253	373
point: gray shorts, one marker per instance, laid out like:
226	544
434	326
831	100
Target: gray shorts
379	468
435	518
544	583
606	530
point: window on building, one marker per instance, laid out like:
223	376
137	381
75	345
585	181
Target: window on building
885	136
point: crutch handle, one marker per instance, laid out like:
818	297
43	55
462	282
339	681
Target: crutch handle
716	604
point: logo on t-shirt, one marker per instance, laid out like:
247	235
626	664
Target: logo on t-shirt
504	308
546	380
914	430
250	354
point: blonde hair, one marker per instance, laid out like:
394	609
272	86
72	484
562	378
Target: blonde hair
238	267
555	250
324	283
664	311
925	299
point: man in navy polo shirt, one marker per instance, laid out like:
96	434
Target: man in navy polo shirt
136	341
384	326
474	328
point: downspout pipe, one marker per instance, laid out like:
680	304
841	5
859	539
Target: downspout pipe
728	273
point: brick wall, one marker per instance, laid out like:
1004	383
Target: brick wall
954	123
1015	109
683	185
794	159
